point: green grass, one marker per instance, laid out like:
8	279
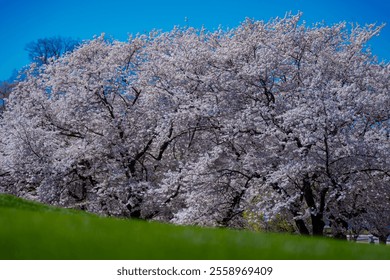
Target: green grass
34	231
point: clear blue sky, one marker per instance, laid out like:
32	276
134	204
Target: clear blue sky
22	21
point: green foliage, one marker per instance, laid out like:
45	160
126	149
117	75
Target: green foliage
34	231
258	222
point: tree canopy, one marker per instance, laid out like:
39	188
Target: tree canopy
43	49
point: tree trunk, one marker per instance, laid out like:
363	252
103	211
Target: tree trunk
302	227
344	225
382	239
318	225
317	216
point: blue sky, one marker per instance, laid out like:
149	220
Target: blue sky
22	21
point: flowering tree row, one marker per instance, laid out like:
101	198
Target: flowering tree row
268	124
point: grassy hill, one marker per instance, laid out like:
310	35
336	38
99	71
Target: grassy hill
30	230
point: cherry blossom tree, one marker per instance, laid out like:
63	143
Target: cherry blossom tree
74	130
296	115
274	119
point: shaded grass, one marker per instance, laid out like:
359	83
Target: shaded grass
13	202
34	231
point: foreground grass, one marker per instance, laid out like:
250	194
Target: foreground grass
34	231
